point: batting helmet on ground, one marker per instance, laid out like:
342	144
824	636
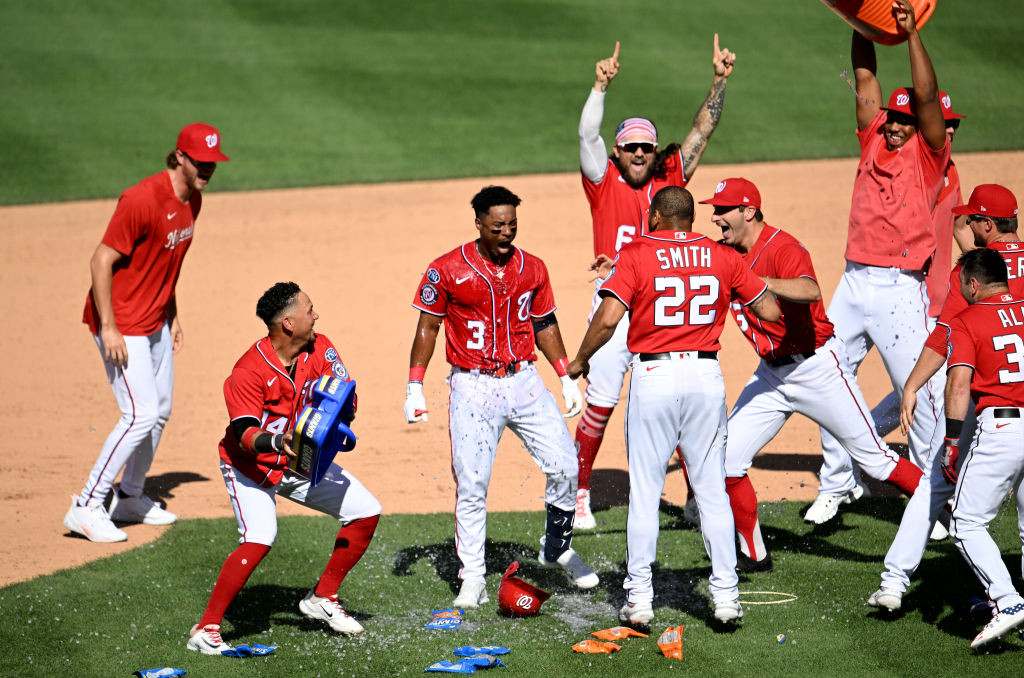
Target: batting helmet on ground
518	598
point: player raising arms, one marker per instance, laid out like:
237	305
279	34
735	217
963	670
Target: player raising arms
619	189
132	313
986	363
496	302
677	286
267	389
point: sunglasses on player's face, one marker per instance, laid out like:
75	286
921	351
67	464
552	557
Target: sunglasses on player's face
198	164
954	123
637	146
901	118
975	217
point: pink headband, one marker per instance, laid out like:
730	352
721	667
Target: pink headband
633	127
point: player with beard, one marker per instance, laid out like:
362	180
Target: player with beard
619	188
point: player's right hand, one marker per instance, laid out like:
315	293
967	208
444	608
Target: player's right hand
578	368
115	351
607	69
722	60
907	407
950	457
415	403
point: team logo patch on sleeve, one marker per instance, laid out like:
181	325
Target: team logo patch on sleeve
338	370
433	276
428	294
331	355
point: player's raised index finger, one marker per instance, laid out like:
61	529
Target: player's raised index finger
716	44
615	56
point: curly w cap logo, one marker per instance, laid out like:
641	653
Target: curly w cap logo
902	99
211	140
720	187
947	103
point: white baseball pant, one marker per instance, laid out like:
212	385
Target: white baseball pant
480	407
144	389
886	308
677	402
608	365
994	465
339	495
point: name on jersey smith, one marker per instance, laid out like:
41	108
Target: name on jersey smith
684	256
179	235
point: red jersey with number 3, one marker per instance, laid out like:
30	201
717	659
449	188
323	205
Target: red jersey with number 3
259	386
677	286
488	310
988	336
802	327
1013	255
152	228
620	211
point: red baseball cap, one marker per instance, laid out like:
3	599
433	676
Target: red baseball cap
735	192
201	142
519	598
947	107
992	200
902	101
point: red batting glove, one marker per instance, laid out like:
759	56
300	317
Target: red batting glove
950	457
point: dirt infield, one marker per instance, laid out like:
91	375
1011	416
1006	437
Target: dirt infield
360	259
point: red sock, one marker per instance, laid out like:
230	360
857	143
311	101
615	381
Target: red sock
233	575
743	501
589	434
686	476
349	547
905	476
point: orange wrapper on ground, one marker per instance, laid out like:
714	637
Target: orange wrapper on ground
595	647
617	633
671	642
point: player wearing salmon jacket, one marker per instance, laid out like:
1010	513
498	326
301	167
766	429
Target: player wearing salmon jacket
496	303
677	286
266	391
986	363
803	367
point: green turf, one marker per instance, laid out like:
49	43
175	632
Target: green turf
340	91
132	611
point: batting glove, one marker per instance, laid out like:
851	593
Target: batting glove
415	403
573	397
950	456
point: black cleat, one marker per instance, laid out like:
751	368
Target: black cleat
745	563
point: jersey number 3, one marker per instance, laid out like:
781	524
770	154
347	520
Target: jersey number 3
668	308
1015	357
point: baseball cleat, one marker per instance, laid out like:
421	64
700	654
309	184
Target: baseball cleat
1001	624
939	532
472	594
640	614
728	611
207	640
826	506
580	574
330	610
746	564
93	523
886	598
691	513
584	518
140	509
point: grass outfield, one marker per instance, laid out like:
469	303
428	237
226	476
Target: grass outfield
133	611
324	92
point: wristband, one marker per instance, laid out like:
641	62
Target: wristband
561	366
416	373
954	427
277	442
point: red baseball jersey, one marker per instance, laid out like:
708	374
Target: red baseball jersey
153	230
988	337
259	386
620	211
802	327
949	197
894	195
677	286
487	310
1013	255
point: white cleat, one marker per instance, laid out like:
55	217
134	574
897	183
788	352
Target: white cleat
140	509
1001	624
640	614
584	518
580	574
207	640
472	594
939	532
886	598
330	610
93	523
728	611
826	506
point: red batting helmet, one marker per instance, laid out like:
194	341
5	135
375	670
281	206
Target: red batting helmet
518	598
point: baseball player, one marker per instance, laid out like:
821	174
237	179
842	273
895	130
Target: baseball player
882	299
986	363
992	217
267	389
496	302
803	367
133	315
619	189
677	286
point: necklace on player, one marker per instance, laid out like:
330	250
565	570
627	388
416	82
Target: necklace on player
496	270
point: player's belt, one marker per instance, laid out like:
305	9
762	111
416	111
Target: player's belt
790	359
679	355
1006	413
500	371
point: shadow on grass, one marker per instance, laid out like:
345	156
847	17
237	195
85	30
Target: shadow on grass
258	607
162	486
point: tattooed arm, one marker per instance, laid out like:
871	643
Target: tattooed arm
709	113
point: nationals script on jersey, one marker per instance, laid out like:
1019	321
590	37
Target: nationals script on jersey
988	336
677	286
802	327
620	211
259	386
488	309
